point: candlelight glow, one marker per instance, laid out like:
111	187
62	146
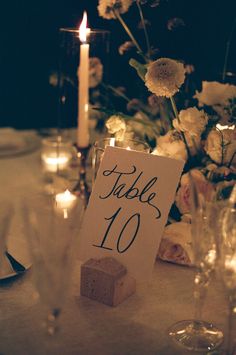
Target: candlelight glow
113	142
52	162
65	201
83	30
221	128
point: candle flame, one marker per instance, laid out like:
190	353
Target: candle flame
83	30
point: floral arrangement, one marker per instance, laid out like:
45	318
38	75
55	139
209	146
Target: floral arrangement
202	134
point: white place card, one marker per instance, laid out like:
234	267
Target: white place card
128	208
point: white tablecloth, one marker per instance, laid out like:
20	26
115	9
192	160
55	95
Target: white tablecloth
137	326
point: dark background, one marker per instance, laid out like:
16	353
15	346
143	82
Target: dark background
29	48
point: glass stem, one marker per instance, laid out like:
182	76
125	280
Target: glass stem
201	282
231	338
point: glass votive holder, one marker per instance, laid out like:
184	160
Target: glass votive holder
70	75
56	154
100	145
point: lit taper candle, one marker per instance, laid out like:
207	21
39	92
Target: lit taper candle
83	92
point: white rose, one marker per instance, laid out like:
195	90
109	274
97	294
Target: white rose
176	244
221	146
117	126
171	146
192	121
214	93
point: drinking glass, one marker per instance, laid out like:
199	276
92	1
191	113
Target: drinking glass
56	156
52	226
227	263
100	145
196	334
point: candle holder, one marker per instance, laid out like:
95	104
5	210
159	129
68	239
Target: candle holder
69	75
56	157
79	92
100	145
81	188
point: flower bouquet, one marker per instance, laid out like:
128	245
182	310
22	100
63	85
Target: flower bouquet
202	133
178	121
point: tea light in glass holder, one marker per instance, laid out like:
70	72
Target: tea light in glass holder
65	200
100	145
56	154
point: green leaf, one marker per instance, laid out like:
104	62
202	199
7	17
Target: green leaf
140	68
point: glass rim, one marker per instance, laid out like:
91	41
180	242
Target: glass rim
76	30
107	139
55	142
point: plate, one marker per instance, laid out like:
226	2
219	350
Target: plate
27	144
14	274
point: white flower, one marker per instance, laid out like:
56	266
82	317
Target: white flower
183	196
221	146
176	244
214	93
171	146
95	72
106	8
117	126
164	77
192	121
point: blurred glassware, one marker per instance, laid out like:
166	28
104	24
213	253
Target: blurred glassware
51	226
56	156
100	145
196	334
226	241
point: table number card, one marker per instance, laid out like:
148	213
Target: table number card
128	208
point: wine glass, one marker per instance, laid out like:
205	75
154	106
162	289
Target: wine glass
196	334
52	225
226	241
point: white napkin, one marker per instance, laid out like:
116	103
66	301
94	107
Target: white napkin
175	245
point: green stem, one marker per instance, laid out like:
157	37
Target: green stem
127	99
227	50
222	145
117	92
231	160
172	100
144	28
144	123
129	33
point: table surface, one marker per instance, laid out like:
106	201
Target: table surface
137	326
